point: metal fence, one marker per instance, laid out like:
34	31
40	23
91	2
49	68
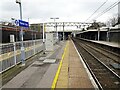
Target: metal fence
11	54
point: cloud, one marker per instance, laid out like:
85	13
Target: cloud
42	10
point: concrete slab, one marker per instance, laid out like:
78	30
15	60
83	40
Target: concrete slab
42	58
48	77
65	65
80	83
21	78
61	84
73	73
37	63
39	74
36	77
77	72
75	65
63	78
49	61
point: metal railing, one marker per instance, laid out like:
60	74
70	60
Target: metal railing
10	57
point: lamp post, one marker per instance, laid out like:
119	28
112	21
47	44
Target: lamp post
55	26
21	35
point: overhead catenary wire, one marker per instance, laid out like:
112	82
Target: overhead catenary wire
107	9
96	10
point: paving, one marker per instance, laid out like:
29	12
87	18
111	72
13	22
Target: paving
73	74
39	74
42	72
113	44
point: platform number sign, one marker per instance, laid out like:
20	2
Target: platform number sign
21	23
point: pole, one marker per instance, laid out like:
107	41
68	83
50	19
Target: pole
16	34
12	37
108	35
98	34
43	34
15	61
34	43
21	38
56	28
43	38
56	31
63	31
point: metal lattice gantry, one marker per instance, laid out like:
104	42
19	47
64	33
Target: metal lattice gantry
67	24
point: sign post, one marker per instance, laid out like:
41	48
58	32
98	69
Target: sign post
26	25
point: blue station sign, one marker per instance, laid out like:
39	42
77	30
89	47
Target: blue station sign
23	23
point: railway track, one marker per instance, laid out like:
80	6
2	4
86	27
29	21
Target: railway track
106	57
105	77
114	56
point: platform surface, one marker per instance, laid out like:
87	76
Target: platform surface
73	74
112	44
39	74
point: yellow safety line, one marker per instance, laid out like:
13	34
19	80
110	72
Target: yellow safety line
58	71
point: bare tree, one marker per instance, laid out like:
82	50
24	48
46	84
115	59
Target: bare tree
114	20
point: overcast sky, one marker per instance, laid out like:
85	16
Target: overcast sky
66	10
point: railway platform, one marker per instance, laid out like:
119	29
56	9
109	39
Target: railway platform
112	44
68	71
72	72
113	47
40	73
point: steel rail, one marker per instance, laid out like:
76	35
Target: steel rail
93	75
107	68
102	63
